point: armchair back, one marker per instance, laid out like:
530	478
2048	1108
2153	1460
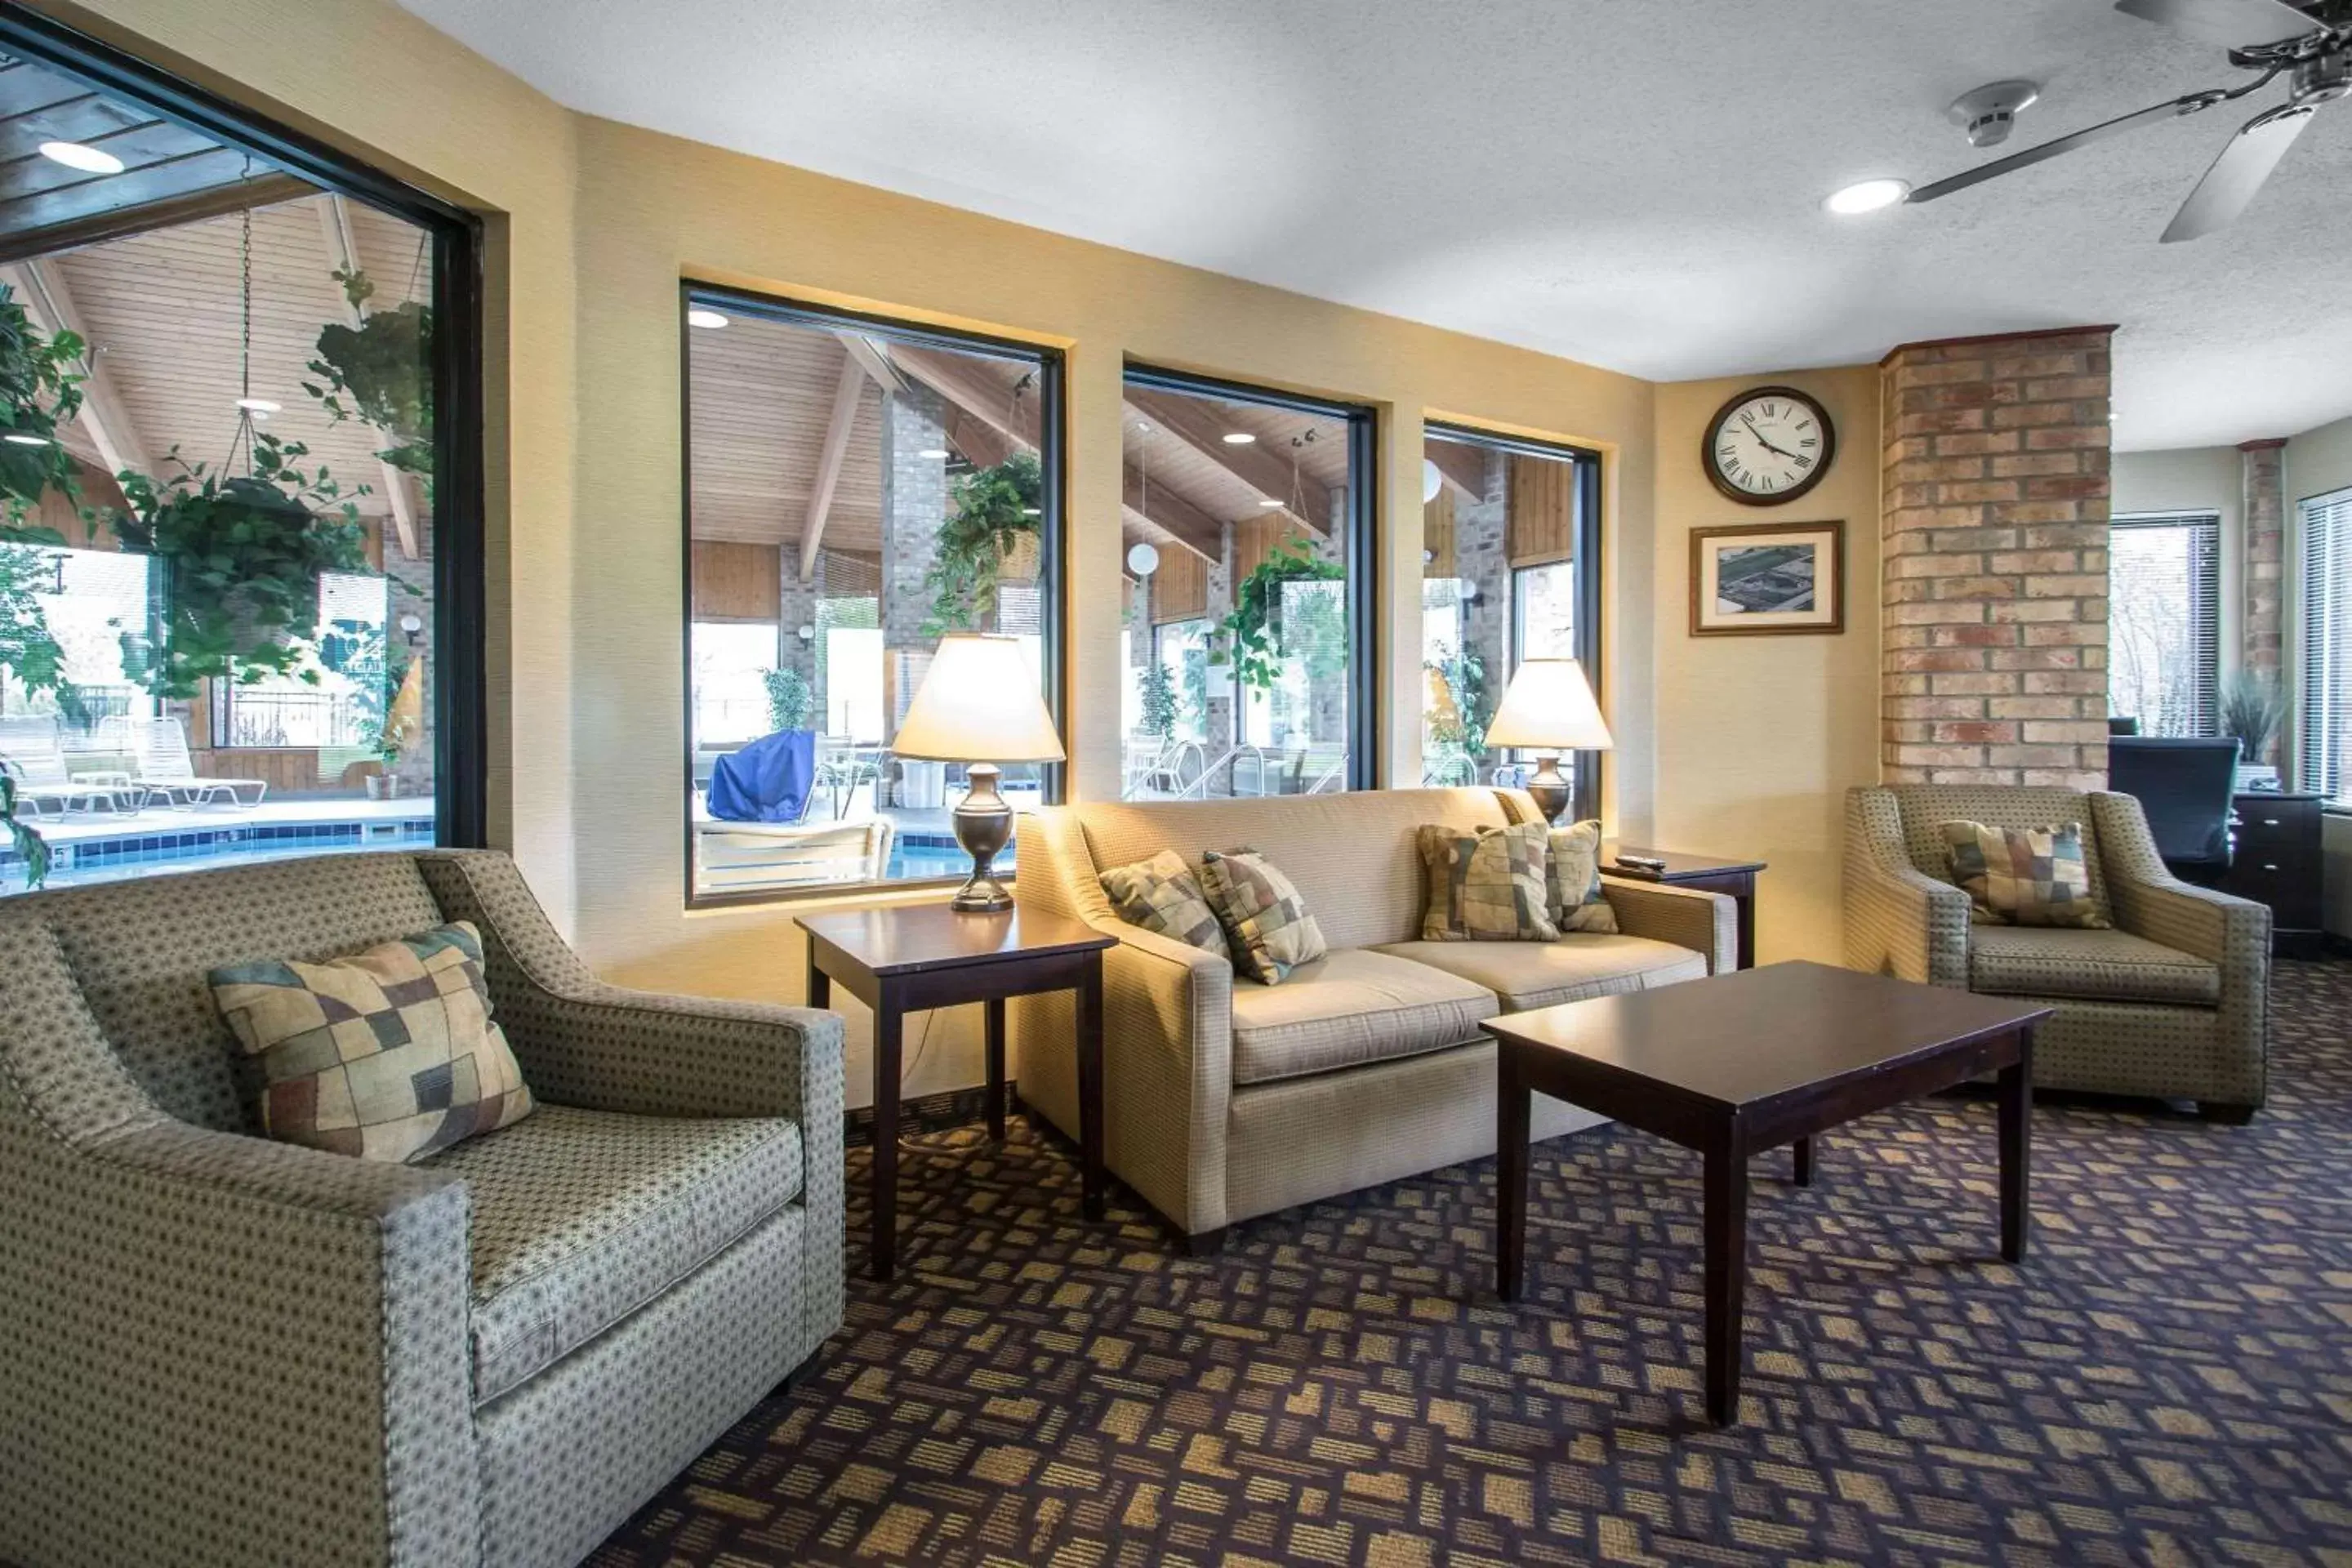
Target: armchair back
1924	807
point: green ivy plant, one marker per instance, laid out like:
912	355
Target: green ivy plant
380	372
995	509
1457	726
40	391
27	646
1257	641
241	557
789	699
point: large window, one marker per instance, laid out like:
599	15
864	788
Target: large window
240	569
1510	564
2323	739
2164	622
1253	511
855	488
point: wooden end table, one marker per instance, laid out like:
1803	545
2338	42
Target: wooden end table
1734	879
1738	1064
909	958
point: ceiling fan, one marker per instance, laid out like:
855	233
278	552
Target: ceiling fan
2310	44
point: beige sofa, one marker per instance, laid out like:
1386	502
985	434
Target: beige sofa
1226	1098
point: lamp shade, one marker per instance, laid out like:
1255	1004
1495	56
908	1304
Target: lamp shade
1548	707
977	702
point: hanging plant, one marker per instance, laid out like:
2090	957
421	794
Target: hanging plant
380	372
30	846
40	390
1257	640
995	510
241	557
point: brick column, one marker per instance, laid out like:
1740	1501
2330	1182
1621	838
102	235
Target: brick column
914	505
1994	490
2262	521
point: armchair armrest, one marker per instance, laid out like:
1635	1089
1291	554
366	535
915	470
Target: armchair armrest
1707	924
603	1047
1899	920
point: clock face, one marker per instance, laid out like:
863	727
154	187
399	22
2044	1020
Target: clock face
1769	446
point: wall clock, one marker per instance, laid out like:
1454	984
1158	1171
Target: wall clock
1768	445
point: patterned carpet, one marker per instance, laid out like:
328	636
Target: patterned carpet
2166	1380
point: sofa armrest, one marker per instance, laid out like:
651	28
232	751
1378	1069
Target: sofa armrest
603	1047
219	1339
1707	924
1899	920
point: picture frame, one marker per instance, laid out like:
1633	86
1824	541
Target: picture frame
1768	579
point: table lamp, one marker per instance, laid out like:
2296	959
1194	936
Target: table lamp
980	699
1549	709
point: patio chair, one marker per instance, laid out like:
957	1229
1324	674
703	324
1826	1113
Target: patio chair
744	857
46	784
159	749
842	766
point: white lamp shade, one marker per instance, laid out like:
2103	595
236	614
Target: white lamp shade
1143	559
978	703
1548	707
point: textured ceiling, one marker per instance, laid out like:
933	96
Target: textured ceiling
1632	184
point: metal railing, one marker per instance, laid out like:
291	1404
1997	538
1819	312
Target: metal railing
262	717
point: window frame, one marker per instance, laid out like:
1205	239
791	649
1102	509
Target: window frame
2332	535
2206	596
1367	768
1586	550
1052	448
460	594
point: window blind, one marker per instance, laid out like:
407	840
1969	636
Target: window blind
2163	630
2324	738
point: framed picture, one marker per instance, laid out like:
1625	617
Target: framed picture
1772	577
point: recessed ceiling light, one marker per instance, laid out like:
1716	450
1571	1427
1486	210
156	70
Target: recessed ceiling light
1270	505
1867	196
1238	437
698	318
257	405
88	159
19	439
938	453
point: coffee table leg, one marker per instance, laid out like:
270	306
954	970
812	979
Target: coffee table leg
1090	1090
2016	1148
1727	1274
1510	1174
1804	1151
882	1258
993	1021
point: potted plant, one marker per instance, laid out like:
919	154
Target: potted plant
996	515
1159	720
789	699
241	557
380	372
29	845
2254	710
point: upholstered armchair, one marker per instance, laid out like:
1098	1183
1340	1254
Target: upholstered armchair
217	1348
2172	1001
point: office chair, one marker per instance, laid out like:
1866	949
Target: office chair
2185	785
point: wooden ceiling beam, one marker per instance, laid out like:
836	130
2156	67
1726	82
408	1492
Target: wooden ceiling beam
846	393
870	354
1460	465
1187	524
982	445
972	391
399	488
1191	421
40	287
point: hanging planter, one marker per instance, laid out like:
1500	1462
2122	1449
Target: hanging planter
995	520
40	390
1258	642
380	372
241	556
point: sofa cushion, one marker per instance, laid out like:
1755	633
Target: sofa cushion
1271	929
1485	886
2090	966
1350	1007
2024	876
582	1216
1162	894
1573	879
1538	974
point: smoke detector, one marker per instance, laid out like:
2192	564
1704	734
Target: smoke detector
1991	111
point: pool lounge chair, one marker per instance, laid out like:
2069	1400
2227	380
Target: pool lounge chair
46	785
763	857
158	750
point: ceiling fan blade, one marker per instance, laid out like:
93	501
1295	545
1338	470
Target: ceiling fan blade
2189	104
2229	23
2239	173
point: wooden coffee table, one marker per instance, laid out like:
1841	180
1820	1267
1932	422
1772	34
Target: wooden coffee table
1744	1062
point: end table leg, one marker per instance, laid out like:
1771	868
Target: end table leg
1804	1162
993	1013
883	1247
1727	1274
820	984
1510	1175
1090	1090
2016	1148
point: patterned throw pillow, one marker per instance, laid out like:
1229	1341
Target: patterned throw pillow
1487	886
2024	876
1575	901
1162	895
389	1055
1264	917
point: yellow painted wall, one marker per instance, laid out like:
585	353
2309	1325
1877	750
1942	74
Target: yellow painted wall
1758	737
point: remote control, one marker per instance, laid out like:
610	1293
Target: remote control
1641	862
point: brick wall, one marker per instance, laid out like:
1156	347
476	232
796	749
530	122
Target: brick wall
1994	560
2262	507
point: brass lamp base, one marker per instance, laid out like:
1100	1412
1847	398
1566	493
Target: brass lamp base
1548	788
983	826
